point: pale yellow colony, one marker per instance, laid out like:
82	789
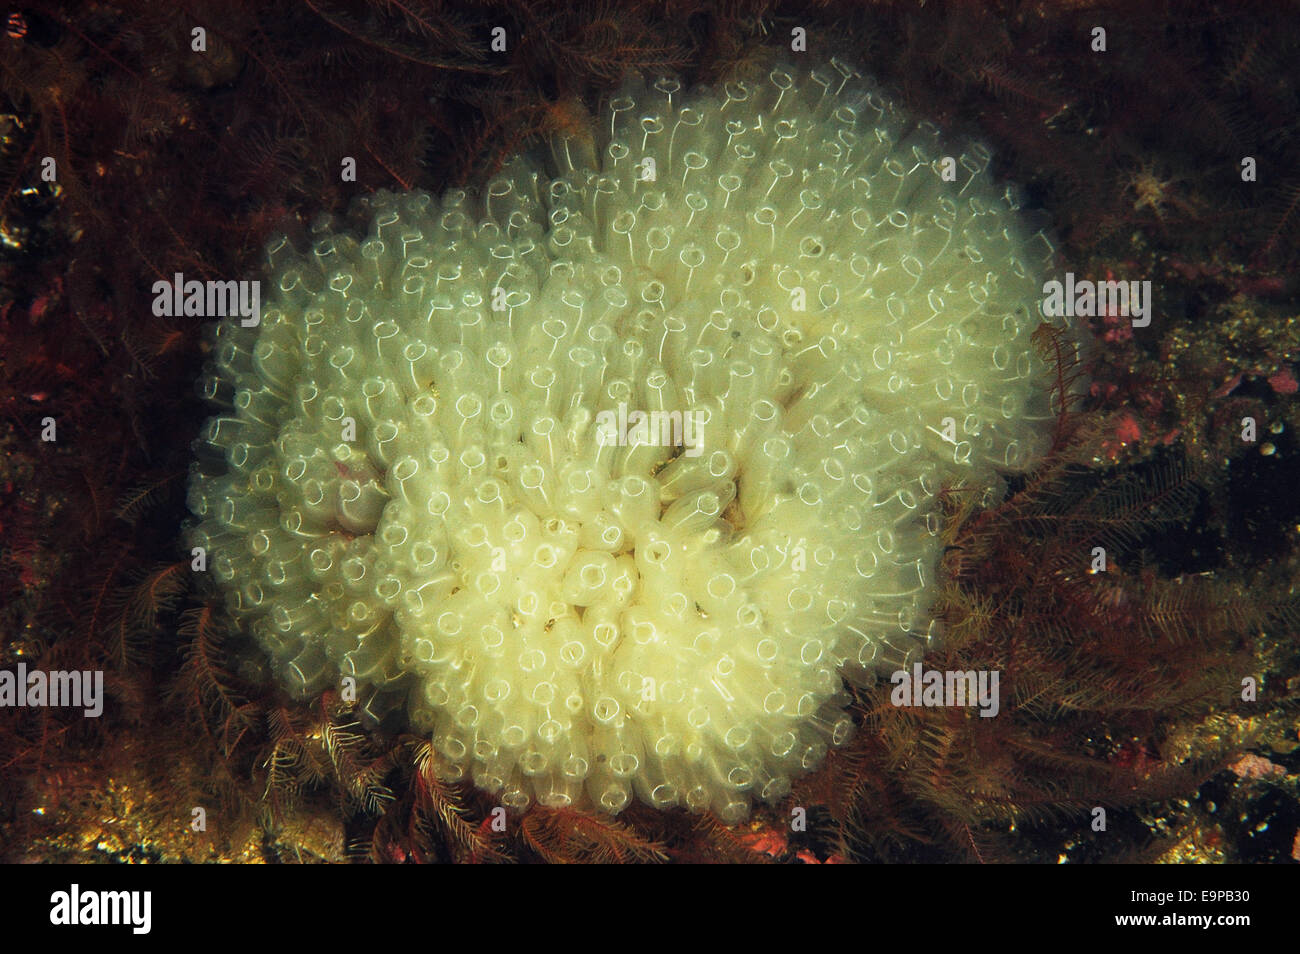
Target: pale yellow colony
583	620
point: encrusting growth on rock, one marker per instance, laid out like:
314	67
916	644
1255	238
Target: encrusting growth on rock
605	474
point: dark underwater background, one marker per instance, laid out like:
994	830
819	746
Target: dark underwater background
1127	687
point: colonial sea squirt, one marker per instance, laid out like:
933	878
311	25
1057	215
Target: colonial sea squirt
412	479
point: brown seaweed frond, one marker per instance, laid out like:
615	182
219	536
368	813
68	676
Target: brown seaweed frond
566	835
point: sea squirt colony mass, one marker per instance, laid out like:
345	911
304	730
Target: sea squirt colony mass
409	479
